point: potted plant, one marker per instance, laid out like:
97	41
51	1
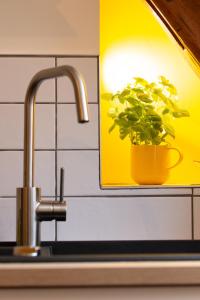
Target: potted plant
144	112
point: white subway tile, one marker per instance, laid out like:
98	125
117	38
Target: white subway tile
45	126
88	67
12	126
142	218
11	172
82	177
196	218
81	171
47	231
45	172
73	135
7	219
16	73
196	191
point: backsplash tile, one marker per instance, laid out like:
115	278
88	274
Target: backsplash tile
45	172
74	135
196	191
47	231
196	217
88	68
127	219
7	219
82	172
45	126
16	73
12	126
11	172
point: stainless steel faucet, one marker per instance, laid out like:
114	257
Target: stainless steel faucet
31	210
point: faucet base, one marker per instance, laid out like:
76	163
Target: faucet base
26	251
31	211
28	199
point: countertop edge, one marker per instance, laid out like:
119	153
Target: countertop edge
99	274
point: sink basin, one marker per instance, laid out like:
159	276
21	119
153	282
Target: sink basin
102	251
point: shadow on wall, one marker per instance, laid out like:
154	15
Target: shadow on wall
42	18
49	27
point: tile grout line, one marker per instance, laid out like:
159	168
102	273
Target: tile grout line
99	120
192	215
22	102
56	146
113	196
48	149
44	103
50	55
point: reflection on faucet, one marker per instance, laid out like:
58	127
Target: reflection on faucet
30	209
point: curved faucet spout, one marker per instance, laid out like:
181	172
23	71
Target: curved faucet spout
81	105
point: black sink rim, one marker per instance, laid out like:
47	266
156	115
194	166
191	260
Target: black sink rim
120	246
111	251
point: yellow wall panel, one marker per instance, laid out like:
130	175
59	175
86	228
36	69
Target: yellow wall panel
133	43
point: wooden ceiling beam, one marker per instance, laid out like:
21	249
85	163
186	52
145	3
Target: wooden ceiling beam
182	18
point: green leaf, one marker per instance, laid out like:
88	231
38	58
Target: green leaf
123	133
169	86
154	118
137	90
132	100
165	111
122	123
163	80
142	81
138	109
125	92
180	114
169	130
157	91
112	112
121	115
157	125
107	96
144	98
132	117
112	127
171	89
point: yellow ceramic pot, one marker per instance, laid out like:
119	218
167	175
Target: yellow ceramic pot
150	164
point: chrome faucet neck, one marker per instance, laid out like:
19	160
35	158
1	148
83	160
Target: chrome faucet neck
29	120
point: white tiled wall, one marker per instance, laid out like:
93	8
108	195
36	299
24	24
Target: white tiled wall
93	213
15	74
80	136
127	218
88	68
196	216
11	172
12	119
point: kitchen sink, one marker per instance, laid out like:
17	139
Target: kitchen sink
107	251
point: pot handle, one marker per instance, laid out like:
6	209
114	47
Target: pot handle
179	159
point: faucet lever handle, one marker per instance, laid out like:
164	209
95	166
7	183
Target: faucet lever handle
62	175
